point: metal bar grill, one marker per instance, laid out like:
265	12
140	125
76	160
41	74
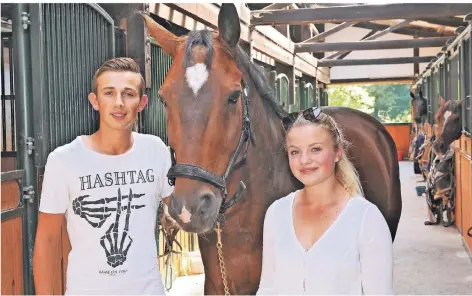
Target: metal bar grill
467	85
8	96
153	118
455	81
76	41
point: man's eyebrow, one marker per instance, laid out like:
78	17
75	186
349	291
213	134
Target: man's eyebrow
111	87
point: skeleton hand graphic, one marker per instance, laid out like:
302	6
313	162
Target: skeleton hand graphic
116	244
96	212
84	209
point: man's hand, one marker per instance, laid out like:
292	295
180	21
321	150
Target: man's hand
46	252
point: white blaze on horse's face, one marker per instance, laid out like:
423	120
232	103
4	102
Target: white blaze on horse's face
445	116
185	215
196	76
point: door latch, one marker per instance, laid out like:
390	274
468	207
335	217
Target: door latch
28	193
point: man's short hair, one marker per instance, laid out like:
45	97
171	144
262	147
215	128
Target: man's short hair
119	65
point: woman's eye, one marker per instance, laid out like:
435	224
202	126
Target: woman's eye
316	149
293	152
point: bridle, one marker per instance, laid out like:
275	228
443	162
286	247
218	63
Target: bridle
201	174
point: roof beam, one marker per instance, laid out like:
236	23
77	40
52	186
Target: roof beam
360	13
445	21
410	30
276	6
372	32
399	25
381	61
330	32
371	45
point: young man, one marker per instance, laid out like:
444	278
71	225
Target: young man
108	185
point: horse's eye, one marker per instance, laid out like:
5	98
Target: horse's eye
162	101
233	98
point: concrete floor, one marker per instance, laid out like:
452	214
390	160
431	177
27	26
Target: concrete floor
428	259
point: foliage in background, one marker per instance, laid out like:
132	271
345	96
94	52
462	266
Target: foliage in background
388	103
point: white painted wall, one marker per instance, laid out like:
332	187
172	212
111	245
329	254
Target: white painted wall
374	71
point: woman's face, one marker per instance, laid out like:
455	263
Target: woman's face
311	154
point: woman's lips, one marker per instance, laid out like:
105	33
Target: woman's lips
308	170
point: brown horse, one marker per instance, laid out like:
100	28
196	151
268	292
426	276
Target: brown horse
439	116
223	120
420	108
452	127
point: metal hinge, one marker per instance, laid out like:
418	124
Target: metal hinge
28	193
30	145
25	20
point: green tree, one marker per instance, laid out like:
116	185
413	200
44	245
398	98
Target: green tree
351	96
388	103
391	102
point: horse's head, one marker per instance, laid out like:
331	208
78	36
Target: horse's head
420	107
203	95
439	116
452	127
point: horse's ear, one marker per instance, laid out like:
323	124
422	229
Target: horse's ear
166	40
441	101
228	24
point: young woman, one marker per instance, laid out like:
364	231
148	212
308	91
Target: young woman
325	238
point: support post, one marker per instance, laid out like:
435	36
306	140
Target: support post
25	132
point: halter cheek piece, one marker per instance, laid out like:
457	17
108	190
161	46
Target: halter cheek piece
198	173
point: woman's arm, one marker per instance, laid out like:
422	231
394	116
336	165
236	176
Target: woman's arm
266	285
376	254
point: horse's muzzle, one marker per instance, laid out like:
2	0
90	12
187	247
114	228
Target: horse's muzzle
195	214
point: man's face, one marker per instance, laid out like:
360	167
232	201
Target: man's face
117	99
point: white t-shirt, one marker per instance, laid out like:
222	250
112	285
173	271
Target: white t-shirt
113	251
353	256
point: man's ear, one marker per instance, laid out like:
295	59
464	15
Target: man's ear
93	100
143	102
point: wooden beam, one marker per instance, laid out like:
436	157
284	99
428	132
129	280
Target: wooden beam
342	56
445	21
371	45
359	13
265	38
416	66
407	30
399	25
330	32
406	79
381	61
276	6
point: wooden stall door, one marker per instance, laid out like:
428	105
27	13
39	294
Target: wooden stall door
12	241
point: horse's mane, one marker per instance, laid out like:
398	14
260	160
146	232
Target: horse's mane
256	75
452	106
261	84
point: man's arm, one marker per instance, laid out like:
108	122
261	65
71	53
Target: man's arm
53	205
46	252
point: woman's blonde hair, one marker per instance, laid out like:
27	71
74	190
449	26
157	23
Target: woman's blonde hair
345	172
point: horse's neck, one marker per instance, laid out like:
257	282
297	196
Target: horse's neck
268	163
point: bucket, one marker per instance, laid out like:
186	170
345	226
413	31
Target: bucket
420	190
400	155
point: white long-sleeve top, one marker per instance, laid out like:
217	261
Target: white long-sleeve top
353	256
